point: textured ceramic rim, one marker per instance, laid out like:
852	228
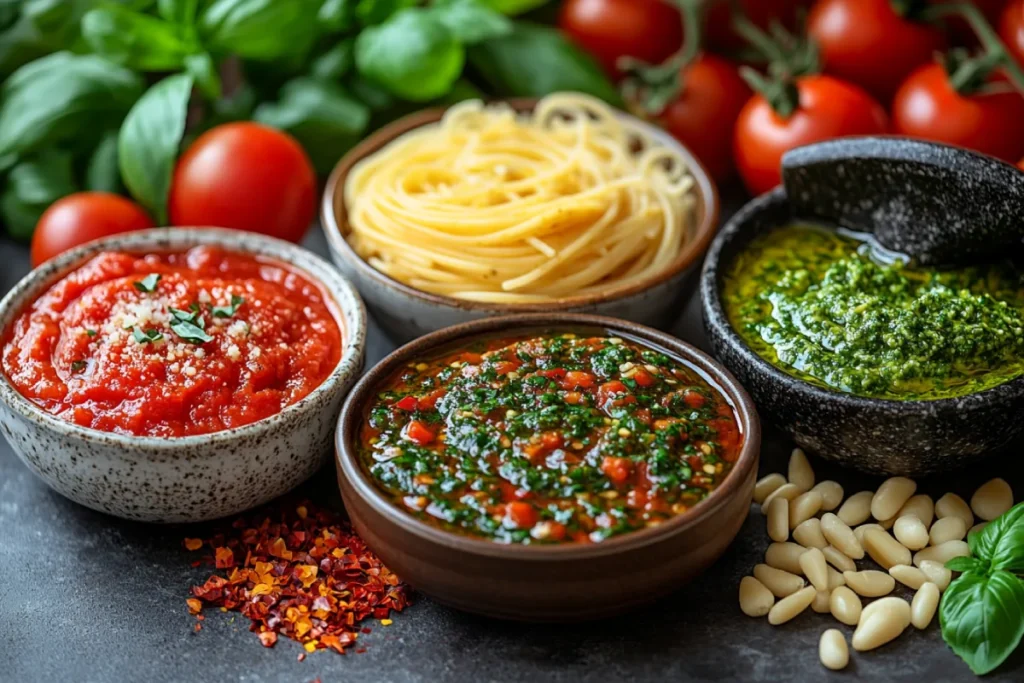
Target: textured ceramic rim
344	299
714	315
352	416
333	216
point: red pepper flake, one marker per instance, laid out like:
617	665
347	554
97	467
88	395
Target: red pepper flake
198	627
306	576
193	543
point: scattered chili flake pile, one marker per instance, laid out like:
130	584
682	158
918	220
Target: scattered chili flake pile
307	577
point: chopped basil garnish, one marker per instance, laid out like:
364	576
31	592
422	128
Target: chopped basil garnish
148	283
91	333
228	311
145	337
190	331
77	366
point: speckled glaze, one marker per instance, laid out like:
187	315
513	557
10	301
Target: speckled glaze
568	582
873	435
192	478
405	312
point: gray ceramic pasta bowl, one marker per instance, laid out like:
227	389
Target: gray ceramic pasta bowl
189	478
406	312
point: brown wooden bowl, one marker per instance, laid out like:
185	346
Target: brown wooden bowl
567	582
406	312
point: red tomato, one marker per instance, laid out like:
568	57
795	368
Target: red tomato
719	34
650	30
575	379
521	515
408	403
866	43
616	469
643	378
704	116
694	399
419	433
83	217
609	389
828	108
928	107
248	177
1011	29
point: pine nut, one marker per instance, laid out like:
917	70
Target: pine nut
976	528
786	492
947	529
785	556
831	494
952	505
803	507
911	532
832	650
835	579
778	520
841	536
812	562
992	499
780	583
755	599
891	496
881	621
800	472
921	506
936	573
884	549
837	559
857	508
924	604
845	605
790	606
808	534
942	553
859	531
908	575
870	583
766	485
820	604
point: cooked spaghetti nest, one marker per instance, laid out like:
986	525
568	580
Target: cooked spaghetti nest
493	206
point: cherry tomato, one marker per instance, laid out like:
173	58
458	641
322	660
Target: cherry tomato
1011	29
419	433
245	176
926	106
719	34
83	217
650	30
704	116
866	43
521	515
617	469
828	108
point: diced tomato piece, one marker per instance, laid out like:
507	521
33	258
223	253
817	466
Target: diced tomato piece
504	367
556	374
574	379
695	461
644	415
693	399
534	451
556	531
643	378
471	358
617	469
419	433
408	403
551	440
727	434
573	397
609	389
522	515
429	402
636	498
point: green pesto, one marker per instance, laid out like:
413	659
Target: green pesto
818	304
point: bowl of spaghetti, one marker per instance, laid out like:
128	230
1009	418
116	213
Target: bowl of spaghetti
524	206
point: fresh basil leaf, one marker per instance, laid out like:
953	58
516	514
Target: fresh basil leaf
412	54
181	12
982	618
470	21
336	62
135	40
370	12
61	97
91	333
103	172
513	7
145	337
148	283
78	365
536	61
369	93
190	332
34	28
32	186
228	311
1002	541
149	140
259	29
337	16
968	564
324	118
204	71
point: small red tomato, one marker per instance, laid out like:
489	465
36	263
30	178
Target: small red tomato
245	176
828	108
521	515
1011	29
82	217
928	107
610	389
649	30
704	116
868	44
419	433
643	378
408	403
551	440
617	469
556	374
575	379
694	399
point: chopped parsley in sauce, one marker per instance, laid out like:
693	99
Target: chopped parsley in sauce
819	305
547	439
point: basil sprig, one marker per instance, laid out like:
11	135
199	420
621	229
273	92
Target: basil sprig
148	283
228	311
982	611
189	325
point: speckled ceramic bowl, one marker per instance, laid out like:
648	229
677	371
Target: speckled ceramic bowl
192	478
874	435
406	312
567	582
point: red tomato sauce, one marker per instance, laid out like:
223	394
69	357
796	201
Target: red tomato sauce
173	344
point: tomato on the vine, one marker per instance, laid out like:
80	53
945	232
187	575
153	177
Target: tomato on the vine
649	30
927	106
1011	29
867	43
82	217
245	176
719	30
826	108
704	116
